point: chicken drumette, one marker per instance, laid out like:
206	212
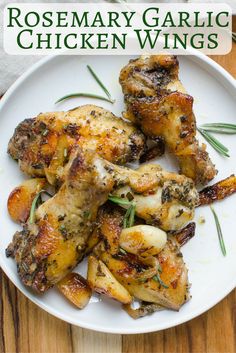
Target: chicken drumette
47	249
42	145
157	101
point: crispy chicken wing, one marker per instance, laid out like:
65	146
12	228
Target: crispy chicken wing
164	199
43	144
48	249
157	101
160	279
218	191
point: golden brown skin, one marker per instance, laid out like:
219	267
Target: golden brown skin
157	101
76	289
102	281
183	235
42	145
218	191
134	273
49	249
21	198
164	199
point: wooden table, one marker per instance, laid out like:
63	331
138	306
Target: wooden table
27	329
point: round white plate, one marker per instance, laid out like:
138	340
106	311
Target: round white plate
212	275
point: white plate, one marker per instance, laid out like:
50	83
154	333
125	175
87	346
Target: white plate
212	276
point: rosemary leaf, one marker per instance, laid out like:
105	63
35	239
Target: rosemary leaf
87	95
118	200
130	212
219	231
122	251
216	144
220	128
234	36
158	279
132	215
100	83
34	204
126	218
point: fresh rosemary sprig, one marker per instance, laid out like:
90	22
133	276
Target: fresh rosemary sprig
220	128
216	144
34	205
158	279
234	36
129	216
219	231
130	213
87	95
100	84
90	95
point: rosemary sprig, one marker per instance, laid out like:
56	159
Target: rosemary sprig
158	279
234	36
129	216
219	231
87	95
100	84
216	144
34	205
130	213
122	251
119	201
220	128
90	95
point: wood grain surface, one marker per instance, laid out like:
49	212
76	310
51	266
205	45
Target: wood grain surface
24	328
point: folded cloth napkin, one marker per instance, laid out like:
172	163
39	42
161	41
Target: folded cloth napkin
11	66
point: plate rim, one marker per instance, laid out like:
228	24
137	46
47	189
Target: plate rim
207	63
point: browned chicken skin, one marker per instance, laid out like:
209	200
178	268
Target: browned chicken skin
43	144
49	248
157	101
129	269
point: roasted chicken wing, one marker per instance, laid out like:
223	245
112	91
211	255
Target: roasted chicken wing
52	246
48	249
42	145
157	102
164	199
218	191
161	278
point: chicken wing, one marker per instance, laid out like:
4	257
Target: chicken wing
42	145
163	281
48	249
157	101
164	199
218	191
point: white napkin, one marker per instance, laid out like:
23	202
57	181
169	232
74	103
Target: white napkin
11	66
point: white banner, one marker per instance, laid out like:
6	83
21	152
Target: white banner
120	29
